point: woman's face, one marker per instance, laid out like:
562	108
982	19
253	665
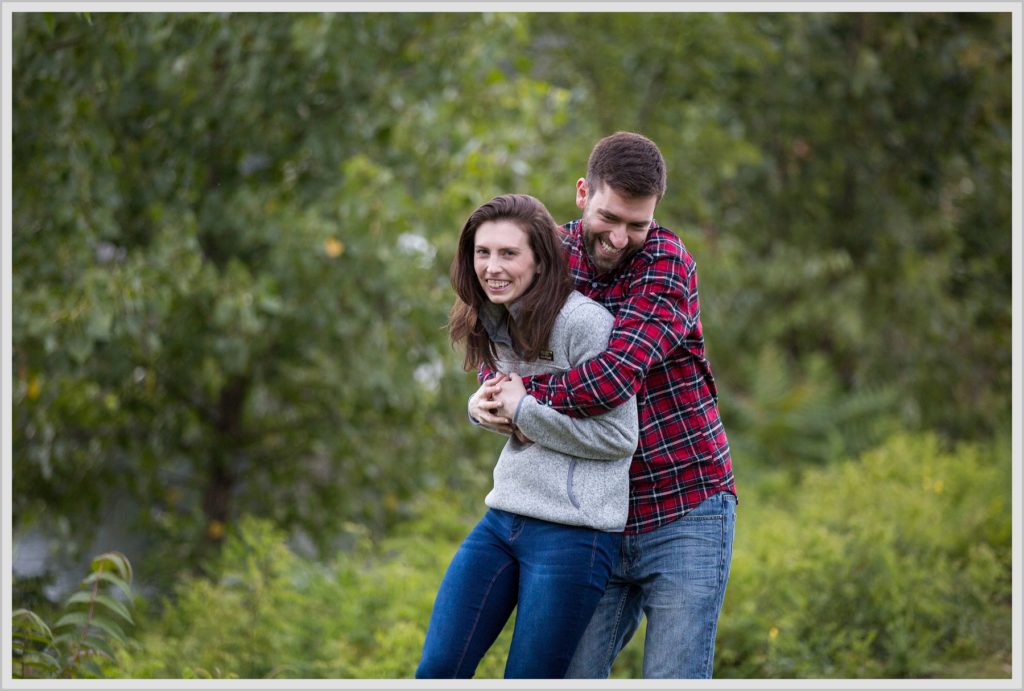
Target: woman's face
503	260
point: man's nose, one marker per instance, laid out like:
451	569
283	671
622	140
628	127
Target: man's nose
617	238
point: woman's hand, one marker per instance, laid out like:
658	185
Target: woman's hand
510	392
483	407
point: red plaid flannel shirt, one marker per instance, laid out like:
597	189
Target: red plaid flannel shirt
656	351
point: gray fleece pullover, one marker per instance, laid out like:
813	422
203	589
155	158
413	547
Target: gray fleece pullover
575	471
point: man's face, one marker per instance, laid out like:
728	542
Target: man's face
615	226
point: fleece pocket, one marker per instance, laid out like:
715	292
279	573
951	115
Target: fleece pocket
569	486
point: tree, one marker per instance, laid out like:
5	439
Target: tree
844	183
232	234
231	286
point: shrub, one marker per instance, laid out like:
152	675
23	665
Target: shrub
267	612
80	643
895	565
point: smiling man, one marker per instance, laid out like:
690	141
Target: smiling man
677	547
615	226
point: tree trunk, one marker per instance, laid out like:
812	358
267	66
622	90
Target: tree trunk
221	476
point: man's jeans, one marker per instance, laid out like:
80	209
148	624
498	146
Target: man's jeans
676	575
555	572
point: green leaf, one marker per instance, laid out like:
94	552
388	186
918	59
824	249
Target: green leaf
99	645
86	597
115	560
32	623
72	619
119	608
82	620
111	628
68	638
98	326
41	659
109	578
27	636
41	665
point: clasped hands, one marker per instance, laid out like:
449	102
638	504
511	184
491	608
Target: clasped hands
494	404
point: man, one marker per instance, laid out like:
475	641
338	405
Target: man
677	546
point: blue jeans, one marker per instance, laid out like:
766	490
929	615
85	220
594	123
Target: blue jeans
676	575
556	573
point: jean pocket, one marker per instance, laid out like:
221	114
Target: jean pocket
717	505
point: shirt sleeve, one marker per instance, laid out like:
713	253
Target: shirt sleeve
659	314
609	436
483	373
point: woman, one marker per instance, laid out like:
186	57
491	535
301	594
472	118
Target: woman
560	494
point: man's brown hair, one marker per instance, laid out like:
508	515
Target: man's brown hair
630	163
536	309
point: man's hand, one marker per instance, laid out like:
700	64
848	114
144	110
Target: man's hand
483	406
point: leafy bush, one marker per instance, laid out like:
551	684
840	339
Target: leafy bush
895	565
267	612
91	625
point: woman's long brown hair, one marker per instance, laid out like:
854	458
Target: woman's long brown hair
537	307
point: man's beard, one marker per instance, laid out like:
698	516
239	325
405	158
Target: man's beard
605	265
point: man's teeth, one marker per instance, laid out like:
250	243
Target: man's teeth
608	248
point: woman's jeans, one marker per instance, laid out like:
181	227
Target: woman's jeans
555	573
676	576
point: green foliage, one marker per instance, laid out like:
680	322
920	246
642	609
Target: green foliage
81	643
32	641
268	613
249	284
231	235
797	416
843	180
858	245
897	564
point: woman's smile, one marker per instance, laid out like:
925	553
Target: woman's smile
503	260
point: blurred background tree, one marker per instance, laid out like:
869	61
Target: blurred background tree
232	233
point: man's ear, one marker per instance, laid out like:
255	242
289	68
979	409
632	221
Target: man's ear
581	193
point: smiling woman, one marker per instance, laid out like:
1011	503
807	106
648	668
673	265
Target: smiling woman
560	496
503	261
511	239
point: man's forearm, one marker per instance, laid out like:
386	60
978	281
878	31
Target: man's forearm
597	386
